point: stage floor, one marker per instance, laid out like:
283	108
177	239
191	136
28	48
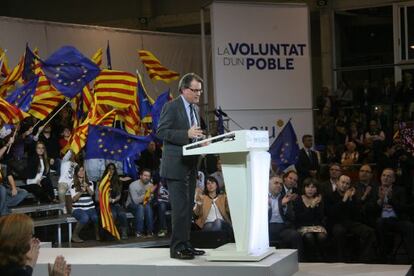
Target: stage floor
157	262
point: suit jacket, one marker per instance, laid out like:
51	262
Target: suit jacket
306	163
173	130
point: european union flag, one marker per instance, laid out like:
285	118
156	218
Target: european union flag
143	101
157	108
285	149
113	143
69	71
29	64
22	97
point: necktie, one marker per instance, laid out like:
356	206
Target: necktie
192	118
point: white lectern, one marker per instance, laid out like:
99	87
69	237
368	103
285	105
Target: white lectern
245	163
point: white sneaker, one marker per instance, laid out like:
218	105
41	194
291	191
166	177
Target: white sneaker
139	235
64	211
162	234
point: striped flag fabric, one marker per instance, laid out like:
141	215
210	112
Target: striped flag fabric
12	78
97	57
115	88
4	67
10	114
155	69
106	214
131	119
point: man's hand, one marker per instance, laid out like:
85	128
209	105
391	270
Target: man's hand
195	132
13	192
366	193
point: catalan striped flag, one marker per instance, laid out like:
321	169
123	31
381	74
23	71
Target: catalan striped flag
11	78
46	97
131	119
97	57
4	67
155	69
106	214
115	88
10	114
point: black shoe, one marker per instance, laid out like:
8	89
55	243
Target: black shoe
184	254
196	252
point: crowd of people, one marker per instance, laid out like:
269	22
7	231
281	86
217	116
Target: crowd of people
349	193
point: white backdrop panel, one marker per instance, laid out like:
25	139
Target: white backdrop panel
238	30
181	53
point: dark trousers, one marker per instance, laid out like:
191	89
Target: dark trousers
386	227
366	238
315	244
286	236
43	192
182	202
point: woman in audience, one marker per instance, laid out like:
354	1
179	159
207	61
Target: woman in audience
118	212
38	181
351	155
82	203
309	216
212	208
355	135
19	250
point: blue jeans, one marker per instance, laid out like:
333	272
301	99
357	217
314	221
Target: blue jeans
84	216
119	215
7	200
142	213
162	208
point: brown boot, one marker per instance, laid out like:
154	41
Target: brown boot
75	234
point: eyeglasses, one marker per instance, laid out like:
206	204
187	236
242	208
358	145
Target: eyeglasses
196	90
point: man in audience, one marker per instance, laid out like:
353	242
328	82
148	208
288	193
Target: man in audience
328	187
308	162
366	193
281	216
150	158
290	183
138	202
394	215
343	213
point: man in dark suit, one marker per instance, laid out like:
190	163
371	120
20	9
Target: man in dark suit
179	125
308	162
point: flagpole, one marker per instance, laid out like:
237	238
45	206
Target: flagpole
53	116
14	136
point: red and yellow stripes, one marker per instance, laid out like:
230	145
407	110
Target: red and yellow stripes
11	78
106	213
97	57
130	117
155	69
10	114
4	69
116	88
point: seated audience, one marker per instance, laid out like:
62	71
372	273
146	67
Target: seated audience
118	213
343	212
309	216
140	193
83	206
394	215
163	198
19	250
366	192
281	217
328	187
212	209
38	181
350	155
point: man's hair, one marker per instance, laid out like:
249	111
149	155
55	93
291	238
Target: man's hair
289	172
186	80
145	170
306	136
335	164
